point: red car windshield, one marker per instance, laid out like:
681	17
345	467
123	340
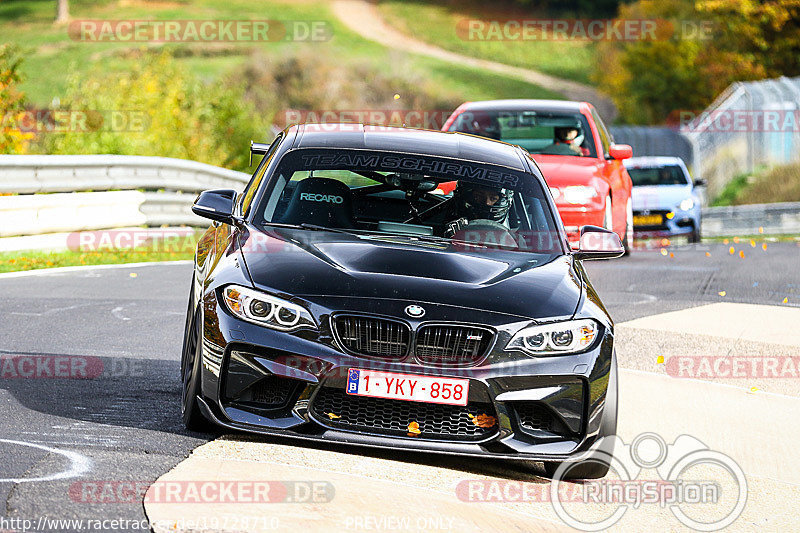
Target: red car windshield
538	132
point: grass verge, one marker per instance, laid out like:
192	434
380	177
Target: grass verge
49	48
765	186
35	260
436	22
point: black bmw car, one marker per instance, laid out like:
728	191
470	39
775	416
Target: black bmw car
343	297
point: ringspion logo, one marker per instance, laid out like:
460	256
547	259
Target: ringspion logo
690	475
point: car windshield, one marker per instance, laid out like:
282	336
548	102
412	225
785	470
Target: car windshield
538	132
382	194
662	175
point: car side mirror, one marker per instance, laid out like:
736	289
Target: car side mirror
216	205
620	151
700	182
598	243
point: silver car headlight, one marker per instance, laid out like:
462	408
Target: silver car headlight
556	338
266	310
687	204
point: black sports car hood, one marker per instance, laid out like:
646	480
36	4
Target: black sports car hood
317	263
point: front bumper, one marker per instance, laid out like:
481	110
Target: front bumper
681	223
264	381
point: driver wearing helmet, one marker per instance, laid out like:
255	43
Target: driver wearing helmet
472	202
564	143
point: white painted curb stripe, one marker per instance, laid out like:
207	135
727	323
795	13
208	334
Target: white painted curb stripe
67	270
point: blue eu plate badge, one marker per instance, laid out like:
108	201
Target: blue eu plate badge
352	381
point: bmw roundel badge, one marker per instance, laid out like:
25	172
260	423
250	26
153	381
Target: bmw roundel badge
415	311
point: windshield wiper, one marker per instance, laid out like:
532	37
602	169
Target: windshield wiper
316	227
425	238
367	233
311	227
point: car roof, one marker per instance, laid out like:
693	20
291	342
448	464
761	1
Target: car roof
653	161
409	141
567	106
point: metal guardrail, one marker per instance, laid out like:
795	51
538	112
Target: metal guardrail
755	219
75	173
125	190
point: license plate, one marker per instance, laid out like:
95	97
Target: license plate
411	387
646	220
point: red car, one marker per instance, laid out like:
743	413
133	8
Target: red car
572	147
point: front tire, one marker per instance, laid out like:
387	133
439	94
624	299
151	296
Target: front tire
608	215
694	236
191	372
598	465
627	242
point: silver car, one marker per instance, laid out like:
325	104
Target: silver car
666	202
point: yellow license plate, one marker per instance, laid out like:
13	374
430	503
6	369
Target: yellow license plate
646	220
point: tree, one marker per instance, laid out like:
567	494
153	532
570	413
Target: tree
13	138
768	30
684	69
62	12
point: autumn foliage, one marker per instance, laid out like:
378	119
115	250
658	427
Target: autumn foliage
708	45
13	140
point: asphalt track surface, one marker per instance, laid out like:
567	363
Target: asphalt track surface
118	418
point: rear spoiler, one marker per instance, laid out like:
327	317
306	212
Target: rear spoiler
257	148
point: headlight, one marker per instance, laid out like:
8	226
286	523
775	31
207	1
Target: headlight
557	338
687	204
555	191
579	194
266	310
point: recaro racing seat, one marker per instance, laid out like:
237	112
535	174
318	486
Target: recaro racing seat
320	201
